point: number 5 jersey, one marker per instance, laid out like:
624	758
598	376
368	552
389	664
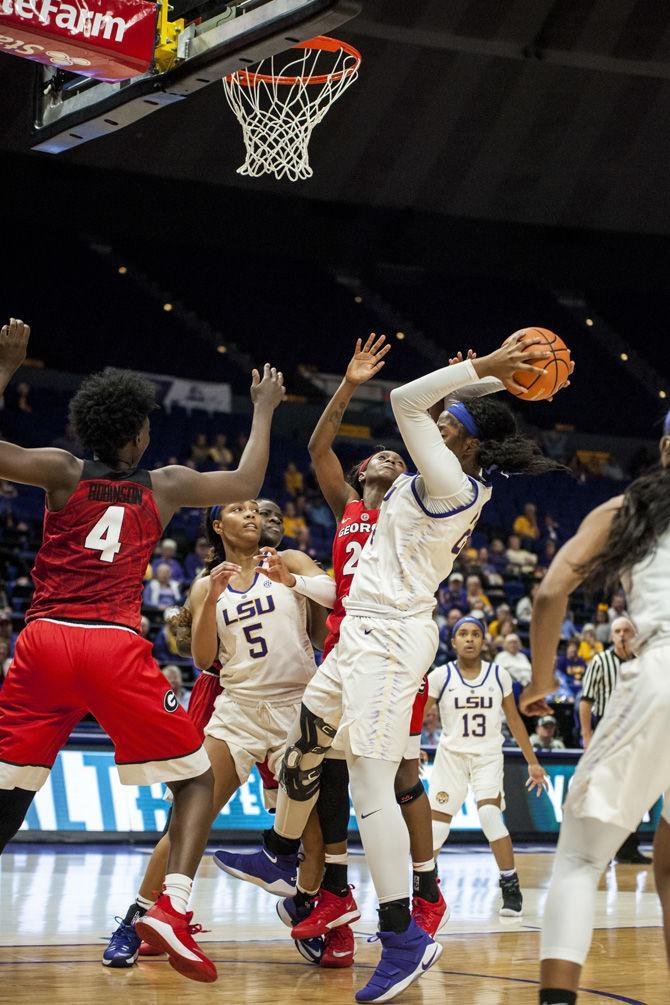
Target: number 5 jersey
95	550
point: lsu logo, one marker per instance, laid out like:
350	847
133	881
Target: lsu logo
442	798
170	702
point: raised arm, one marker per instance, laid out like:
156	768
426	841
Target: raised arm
48	468
551	601
366	362
177	486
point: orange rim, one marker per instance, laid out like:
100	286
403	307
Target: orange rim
248	78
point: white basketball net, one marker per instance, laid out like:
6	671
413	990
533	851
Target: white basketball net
278	118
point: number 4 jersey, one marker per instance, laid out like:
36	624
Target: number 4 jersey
471	711
95	550
352	532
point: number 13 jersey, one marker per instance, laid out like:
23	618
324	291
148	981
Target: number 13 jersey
96	549
471	711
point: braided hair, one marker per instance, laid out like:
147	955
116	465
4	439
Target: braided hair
643	518
501	445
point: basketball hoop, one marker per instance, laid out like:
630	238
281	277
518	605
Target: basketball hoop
279	103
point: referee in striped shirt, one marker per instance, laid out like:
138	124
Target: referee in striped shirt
599	682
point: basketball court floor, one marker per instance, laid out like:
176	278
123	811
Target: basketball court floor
60	905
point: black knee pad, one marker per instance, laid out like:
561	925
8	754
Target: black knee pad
333	803
302	783
404	798
14	804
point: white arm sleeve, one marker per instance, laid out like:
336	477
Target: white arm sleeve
485	385
440	469
321	588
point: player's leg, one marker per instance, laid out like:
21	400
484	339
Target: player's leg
441	824
585	846
449	782
486	775
14	804
662	869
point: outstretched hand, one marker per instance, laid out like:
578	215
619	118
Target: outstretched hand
272	565
13	344
367	359
269	389
537	779
516	354
219	578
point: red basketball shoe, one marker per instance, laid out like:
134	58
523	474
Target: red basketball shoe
169	931
339	948
432	917
329	912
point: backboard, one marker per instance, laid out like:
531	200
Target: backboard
197	43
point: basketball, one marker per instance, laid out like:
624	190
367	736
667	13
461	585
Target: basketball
538	386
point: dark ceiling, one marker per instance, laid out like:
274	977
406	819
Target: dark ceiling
551	112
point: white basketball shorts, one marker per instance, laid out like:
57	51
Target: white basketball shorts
252	732
454	773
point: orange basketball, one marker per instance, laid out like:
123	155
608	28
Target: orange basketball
540	386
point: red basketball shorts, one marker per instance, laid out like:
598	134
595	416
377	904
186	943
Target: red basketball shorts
418	709
61	671
206	690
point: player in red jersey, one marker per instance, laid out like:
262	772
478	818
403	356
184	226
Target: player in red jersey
355	502
81	649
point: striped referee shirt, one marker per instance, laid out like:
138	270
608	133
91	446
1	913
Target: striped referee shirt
600	680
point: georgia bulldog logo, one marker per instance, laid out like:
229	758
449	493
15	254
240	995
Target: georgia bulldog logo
365	517
170	702
442	797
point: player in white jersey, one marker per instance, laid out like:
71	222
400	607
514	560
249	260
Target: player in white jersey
388	640
473	698
627	765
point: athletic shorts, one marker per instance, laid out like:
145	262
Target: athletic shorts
253	732
368	683
418	709
627	766
454	773
60	672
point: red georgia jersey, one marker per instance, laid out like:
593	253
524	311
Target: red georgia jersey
352	532
96	549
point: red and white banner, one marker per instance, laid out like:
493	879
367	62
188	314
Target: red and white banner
105	39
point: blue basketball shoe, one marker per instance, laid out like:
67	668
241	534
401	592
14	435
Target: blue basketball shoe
291	914
278	874
405	957
123	946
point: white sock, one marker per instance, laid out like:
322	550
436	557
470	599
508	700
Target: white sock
440	833
383	832
424	866
306	893
144	902
506	873
178	889
585	846
337	859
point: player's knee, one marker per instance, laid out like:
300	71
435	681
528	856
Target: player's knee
300	782
300	772
14	804
492	822
410	795
406	777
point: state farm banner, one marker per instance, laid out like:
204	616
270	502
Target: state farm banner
104	39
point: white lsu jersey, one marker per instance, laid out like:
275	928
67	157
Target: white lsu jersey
264	649
411	551
648	591
470	710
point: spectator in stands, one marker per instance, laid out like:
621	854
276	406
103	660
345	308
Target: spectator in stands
319	514
293	479
514	660
166	649
8	492
589	644
603	626
475	598
547	552
175	680
551	530
503	611
68	441
524	608
200	449
145	627
570	668
293	522
18	399
519	560
456	596
445	653
431	732
6	630
303	542
617	608
162	591
488	569
525	525
544	737
220	453
167	555
498	555
5	659
568	627
239	446
195	561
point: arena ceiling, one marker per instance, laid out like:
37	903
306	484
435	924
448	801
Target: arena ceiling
538	111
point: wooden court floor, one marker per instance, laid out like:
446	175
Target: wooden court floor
58	906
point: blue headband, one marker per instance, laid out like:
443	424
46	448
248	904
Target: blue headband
468	620
215	513
460	412
666	425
